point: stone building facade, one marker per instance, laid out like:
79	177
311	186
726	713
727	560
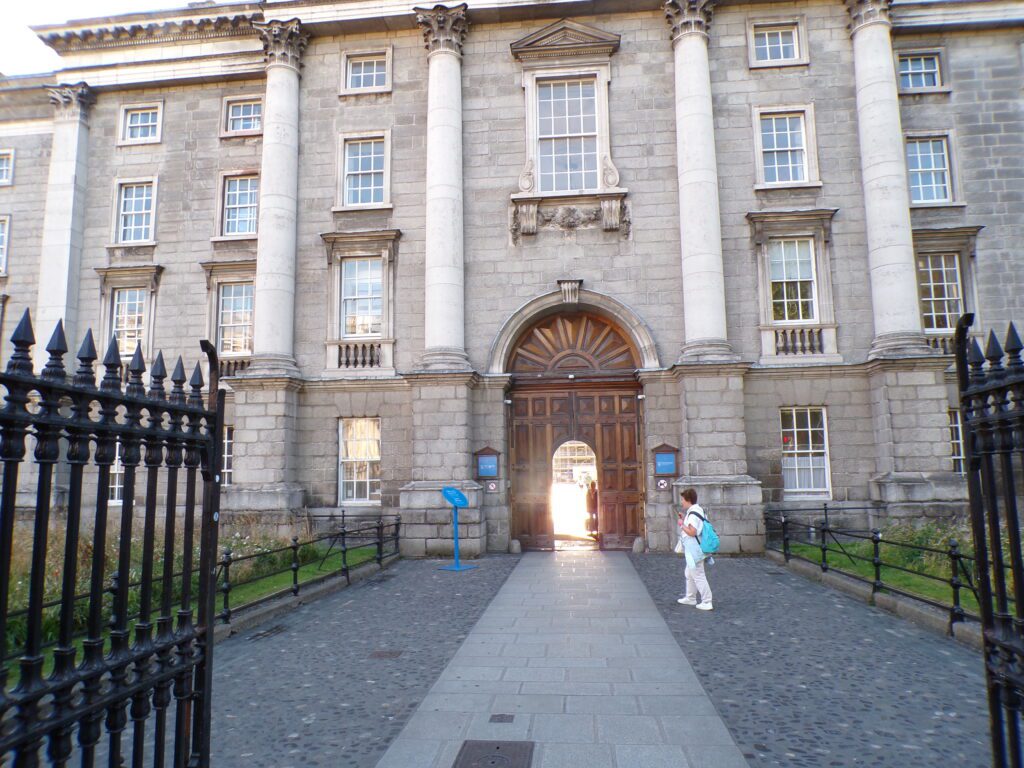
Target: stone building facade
722	251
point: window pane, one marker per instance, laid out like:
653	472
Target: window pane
129	318
359	472
141	123
364	172
938	276
775	43
241	205
362	297
6	167
791	273
235	319
4	230
135	213
245	116
367	72
567	127
804	449
920	71
782	147
928	165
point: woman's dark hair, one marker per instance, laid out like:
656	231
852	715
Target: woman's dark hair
690	495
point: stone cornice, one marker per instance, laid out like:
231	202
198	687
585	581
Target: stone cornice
121	36
864	12
688	16
444	29
71	102
284	42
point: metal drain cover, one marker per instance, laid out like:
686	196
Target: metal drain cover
495	754
502	718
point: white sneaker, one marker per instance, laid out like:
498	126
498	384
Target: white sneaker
687	601
705	607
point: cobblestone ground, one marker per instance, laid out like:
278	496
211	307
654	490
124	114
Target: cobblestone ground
806	676
311	689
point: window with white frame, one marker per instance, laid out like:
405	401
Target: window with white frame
115	492
956	440
776	43
920	71
5	236
783	148
140	124
234	319
359	463
366	72
6	167
135	212
244	116
227	456
928	166
128	315
805	467
941	288
364	180
791	273
241	205
362	297
567	135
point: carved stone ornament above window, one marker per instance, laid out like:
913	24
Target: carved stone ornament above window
579	56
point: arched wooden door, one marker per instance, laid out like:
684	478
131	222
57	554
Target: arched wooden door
597	406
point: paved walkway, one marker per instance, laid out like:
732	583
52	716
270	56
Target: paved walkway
808	677
573	652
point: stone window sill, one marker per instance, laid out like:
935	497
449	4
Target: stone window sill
363	91
352	208
925	206
763	187
233	238
801	62
807	495
941	90
240	134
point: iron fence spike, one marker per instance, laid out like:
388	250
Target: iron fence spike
58	344
113	356
24	334
178	376
993	350
87	352
138	363
1013	347
196	382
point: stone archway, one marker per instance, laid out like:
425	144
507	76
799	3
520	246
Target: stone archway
573	378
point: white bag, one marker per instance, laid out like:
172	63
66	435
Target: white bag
679	545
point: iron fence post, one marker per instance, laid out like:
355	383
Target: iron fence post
785	538
380	540
956	611
295	565
824	544
225	586
876	559
344	550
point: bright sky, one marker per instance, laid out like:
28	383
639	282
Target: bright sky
22	53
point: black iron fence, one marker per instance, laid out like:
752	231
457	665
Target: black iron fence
940	577
125	652
333	554
991	387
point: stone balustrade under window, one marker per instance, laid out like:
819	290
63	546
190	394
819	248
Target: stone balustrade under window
361	356
813	343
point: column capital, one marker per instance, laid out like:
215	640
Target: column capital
688	16
864	12
72	102
283	42
444	29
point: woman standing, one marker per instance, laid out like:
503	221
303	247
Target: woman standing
691	523
592	509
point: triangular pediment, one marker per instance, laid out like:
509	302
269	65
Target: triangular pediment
565	38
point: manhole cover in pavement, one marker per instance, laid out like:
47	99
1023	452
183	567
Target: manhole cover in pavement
502	718
494	754
382	654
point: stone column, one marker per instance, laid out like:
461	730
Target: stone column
886	193
64	213
274	290
444	30
699	218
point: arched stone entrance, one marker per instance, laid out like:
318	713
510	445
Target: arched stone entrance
574	379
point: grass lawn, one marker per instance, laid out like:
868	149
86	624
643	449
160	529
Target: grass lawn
907	582
262	588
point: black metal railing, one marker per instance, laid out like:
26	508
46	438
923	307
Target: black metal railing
991	388
861	555
354	542
145	658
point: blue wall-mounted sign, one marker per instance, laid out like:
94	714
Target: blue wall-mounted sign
665	463
486	465
454	496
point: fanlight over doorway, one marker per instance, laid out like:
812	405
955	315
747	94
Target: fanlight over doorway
573	343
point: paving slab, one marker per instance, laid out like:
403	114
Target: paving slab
599	679
807	677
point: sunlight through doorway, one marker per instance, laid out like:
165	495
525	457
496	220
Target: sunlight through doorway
573	469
